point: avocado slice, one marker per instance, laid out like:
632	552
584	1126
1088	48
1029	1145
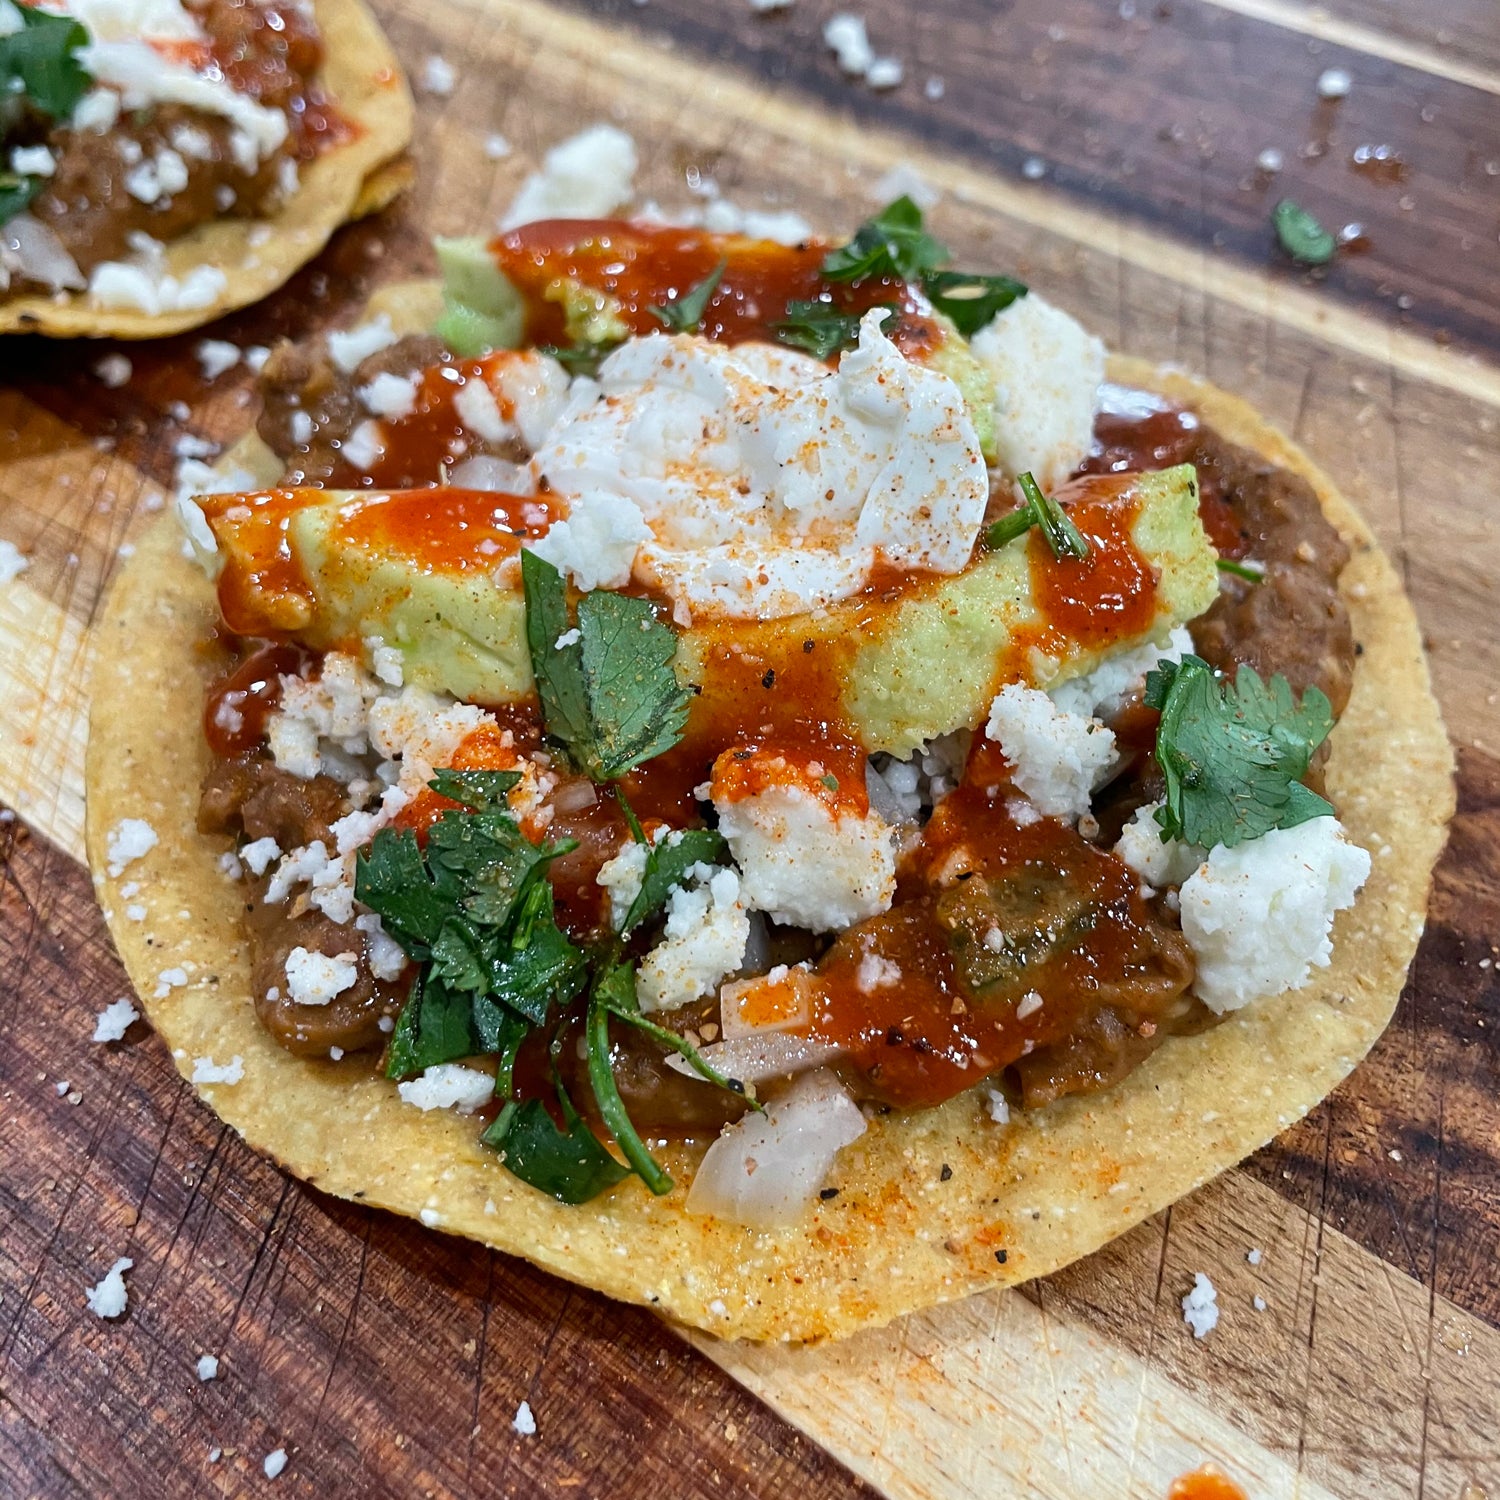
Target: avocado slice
481	309
929	662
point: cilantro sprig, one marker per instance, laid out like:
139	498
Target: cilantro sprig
39	66
1233	755
684	314
896	245
1036	509
821	328
609	695
893	243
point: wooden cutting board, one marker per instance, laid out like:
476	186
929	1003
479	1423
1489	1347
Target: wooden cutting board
387	1360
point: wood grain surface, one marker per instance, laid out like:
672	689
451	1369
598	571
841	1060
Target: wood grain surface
388	1360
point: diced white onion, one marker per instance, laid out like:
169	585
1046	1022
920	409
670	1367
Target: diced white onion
575	795
765	1169
485	472
32	249
758	1059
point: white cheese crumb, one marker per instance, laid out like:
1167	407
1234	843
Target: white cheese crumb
109	1298
314	978
448	1086
259	854
846	35
61	1087
587	176
524	1422
884	73
206	1070
1047	369
390	395
1030	1004
349	349
215	1454
1334	83
1259	917
170	979
1254	1257
1160	862
115	1020
33	161
1200	1308
386	956
904	181
998	1107
1270	160
1258	1303
128	841
876	973
1058	757
763	6
12	561
567	638
805	866
208	1367
706	934
274	1462
113	370
496	147
215	356
438	77
363	447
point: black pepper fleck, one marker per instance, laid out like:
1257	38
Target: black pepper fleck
769	680
828	1193
1002	1256
946	1173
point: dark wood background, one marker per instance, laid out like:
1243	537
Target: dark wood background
330	1318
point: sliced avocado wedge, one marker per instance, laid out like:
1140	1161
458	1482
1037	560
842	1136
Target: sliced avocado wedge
911	665
481	309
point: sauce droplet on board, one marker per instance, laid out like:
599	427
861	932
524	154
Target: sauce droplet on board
1208	1483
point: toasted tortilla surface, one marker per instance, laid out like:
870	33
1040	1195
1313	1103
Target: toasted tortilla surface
1047	1188
348	181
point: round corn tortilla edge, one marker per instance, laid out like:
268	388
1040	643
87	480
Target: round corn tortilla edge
347	182
1019	1200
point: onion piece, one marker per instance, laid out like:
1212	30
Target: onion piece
760	1058
31	248
574	795
485	472
765	1169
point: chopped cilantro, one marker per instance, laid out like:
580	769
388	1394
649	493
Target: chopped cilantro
610	696
1037	509
16	193
684	314
579	359
475	908
667	864
1301	235
1246	571
820	328
570	1163
893	243
1234	756
969	302
39	65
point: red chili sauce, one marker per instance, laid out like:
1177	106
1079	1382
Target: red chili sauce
1136	431
642	266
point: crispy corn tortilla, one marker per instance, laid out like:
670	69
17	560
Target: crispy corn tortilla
1048	1188
346	182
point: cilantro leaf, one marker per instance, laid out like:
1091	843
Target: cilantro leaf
16	194
893	243
1234	756
391	878
820	328
667	864
637	706
39	63
1036	509
684	314
1301	235
436	1025
969	302
610	695
479	791
579	359
570	1163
